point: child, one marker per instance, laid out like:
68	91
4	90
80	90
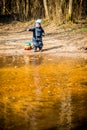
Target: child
38	32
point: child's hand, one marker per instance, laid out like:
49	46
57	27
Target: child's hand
43	34
28	29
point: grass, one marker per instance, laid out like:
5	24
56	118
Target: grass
84	29
73	28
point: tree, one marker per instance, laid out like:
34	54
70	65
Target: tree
3	10
18	7
46	8
57	10
23	9
27	8
70	10
81	7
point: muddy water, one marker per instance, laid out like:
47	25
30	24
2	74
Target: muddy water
43	93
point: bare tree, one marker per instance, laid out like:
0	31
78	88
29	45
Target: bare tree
23	9
46	8
70	9
81	1
57	10
27	8
18	8
3	10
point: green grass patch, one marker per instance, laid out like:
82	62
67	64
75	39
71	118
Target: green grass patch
84	29
46	22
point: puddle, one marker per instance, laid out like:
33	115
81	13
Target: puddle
43	93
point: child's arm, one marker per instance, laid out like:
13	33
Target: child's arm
31	29
43	32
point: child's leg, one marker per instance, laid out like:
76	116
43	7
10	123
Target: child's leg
35	48
40	48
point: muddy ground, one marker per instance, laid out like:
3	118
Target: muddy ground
68	40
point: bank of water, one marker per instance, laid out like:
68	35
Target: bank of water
43	93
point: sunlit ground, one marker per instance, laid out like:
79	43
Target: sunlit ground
43	93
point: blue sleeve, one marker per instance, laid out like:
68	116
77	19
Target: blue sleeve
43	32
32	29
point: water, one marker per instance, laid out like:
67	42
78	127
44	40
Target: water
43	93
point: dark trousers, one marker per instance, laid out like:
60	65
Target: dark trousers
35	48
38	44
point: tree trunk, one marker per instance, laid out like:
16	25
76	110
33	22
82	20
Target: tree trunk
70	9
23	9
80	8
27	8
18	8
3	10
46	8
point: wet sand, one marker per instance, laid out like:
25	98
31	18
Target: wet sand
65	41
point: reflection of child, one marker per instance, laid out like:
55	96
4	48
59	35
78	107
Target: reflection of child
38	32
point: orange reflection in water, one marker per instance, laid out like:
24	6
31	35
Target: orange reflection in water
42	93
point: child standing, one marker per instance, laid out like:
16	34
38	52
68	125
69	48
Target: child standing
38	32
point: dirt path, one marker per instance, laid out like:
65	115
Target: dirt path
67	40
